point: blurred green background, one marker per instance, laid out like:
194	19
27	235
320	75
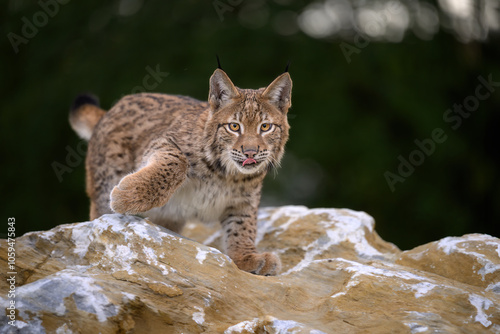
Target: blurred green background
370	79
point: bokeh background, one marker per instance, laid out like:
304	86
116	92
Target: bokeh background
370	79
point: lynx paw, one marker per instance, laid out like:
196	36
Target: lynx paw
266	264
135	194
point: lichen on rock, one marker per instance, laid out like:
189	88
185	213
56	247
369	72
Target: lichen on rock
123	274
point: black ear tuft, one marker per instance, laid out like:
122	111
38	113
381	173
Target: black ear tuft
287	66
218	61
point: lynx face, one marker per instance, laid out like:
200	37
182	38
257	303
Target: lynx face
251	139
248	128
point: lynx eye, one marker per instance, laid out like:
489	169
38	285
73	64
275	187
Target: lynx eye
265	127
235	127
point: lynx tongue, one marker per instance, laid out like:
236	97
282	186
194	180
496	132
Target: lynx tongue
249	161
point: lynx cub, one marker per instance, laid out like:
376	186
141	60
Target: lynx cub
174	158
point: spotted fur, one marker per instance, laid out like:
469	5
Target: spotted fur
175	159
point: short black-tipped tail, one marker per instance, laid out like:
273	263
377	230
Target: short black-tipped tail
85	98
84	114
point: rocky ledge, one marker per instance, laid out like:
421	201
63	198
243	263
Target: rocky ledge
123	274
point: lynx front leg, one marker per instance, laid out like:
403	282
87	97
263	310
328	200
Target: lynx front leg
240	230
165	168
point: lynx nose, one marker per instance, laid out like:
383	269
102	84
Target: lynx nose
250	153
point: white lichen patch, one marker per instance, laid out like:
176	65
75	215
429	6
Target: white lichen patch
215	254
290	326
143	231
127	296
481	304
86	293
422	288
408	281
199	317
417	256
293	213
355	236
352	227
201	255
494	287
348	286
312	250
248	326
468	245
150	255
339	226
370	270
416	328
347	217
418	322
321	245
81	236
131	235
270	324
130	229
47	235
119	257
265	221
64	329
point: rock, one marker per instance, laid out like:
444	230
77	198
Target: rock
123	274
473	253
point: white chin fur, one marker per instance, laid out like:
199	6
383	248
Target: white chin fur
236	168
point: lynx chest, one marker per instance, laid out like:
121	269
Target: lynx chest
198	199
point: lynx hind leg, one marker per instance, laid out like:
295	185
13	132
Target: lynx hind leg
165	169
100	179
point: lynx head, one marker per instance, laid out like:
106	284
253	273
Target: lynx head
247	129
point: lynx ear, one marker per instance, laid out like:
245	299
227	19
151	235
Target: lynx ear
279	92
222	90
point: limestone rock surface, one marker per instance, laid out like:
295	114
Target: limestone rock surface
123	274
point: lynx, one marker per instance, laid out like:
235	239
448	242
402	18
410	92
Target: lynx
174	159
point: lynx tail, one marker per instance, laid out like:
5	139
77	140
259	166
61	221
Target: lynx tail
84	115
